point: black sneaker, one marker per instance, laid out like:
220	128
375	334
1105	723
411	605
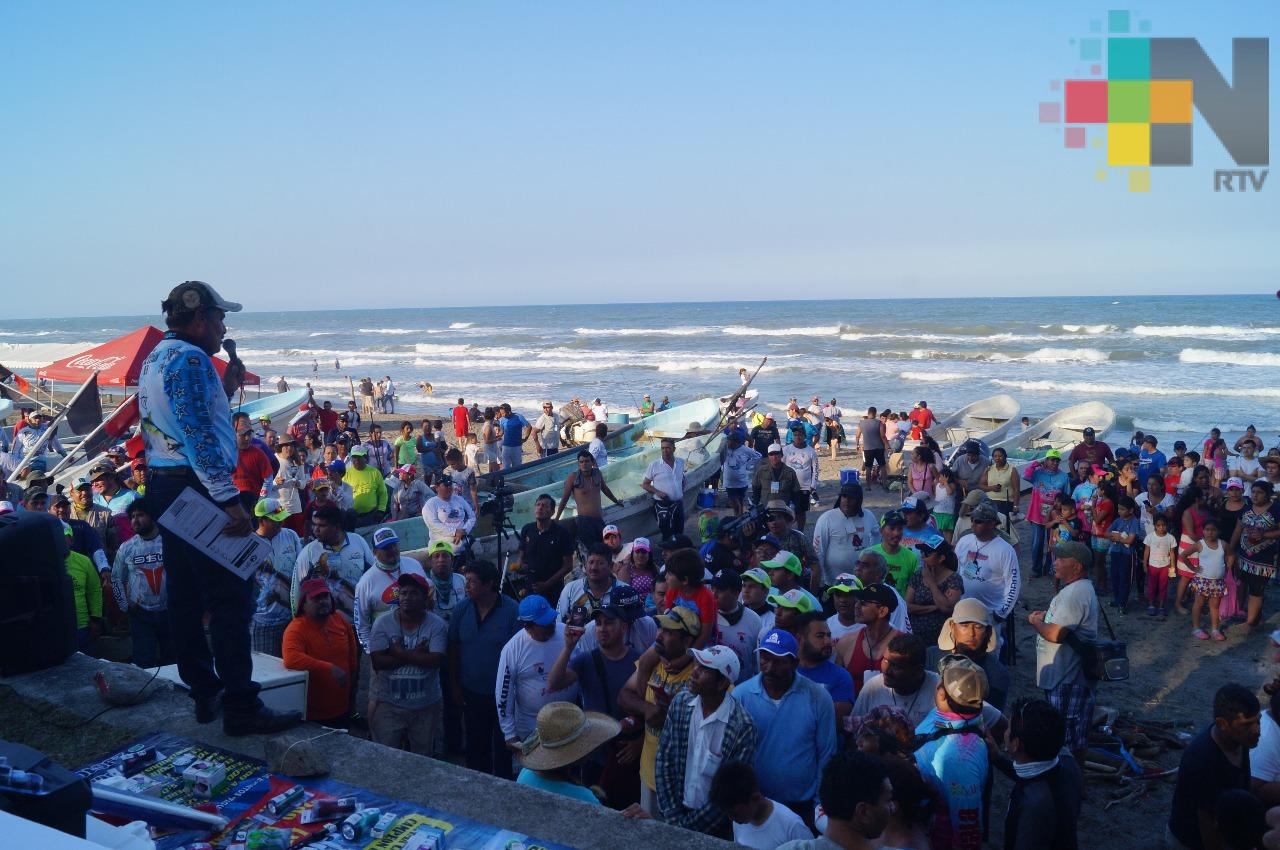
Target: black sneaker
207	710
263	722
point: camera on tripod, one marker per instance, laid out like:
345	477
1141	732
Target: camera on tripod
501	501
745	528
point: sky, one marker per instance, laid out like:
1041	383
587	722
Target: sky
337	155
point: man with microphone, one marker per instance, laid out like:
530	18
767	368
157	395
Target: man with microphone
186	423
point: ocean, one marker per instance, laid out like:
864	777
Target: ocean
1173	366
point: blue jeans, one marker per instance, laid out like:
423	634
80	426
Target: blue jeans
197	584
152	645
1039	537
1121	564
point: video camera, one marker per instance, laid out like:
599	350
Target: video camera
746	528
501	501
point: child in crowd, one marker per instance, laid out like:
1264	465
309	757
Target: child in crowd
758	822
944	502
1190	461
471	450
1217	460
1102	510
1123	533
1208	583
1064	523
684	572
1158	559
1173	474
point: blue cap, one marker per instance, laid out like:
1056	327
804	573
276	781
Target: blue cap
534	609
337	466
770	538
779	642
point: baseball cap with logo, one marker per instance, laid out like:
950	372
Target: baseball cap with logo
610	529
726	579
964	682
784	560
722	659
83	482
845	583
440	546
622	602
893	517
680	619
337	466
534	609
414	578
774	449
759	576
271	509
6	507
795	599
1235	482
642	543
384	537
779	642
192	295
879	594
916	501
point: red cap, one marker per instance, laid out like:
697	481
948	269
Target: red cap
310	586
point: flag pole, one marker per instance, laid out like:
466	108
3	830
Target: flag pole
90	437
38	448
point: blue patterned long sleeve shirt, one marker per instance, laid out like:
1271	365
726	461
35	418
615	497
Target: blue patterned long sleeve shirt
186	419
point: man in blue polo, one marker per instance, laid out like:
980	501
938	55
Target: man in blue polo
515	430
186	425
795	723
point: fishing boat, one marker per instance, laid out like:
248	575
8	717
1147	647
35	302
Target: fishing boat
988	420
633	517
1059	430
281	407
694	417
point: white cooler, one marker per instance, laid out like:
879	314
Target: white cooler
282	689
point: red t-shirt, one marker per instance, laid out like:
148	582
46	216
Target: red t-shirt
702	597
1171	482
1103	512
923	417
328	419
461	421
251	470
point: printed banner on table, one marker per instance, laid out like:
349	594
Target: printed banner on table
242	790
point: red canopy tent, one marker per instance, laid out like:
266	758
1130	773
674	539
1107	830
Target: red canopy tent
118	361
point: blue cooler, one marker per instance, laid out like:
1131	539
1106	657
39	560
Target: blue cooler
706	499
619	418
849	476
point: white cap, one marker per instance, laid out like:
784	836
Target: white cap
610	529
6	507
722	659
774	449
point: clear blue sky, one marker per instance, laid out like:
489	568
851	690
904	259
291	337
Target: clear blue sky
429	154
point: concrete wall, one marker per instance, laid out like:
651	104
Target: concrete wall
393	773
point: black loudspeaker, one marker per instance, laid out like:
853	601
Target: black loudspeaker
38	789
37	602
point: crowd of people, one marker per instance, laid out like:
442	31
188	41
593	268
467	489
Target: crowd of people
838	683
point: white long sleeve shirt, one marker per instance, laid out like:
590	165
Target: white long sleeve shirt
444	518
521	687
990	572
738	465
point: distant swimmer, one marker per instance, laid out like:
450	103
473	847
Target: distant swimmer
315	366
337	365
426	388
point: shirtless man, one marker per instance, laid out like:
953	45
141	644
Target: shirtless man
585	485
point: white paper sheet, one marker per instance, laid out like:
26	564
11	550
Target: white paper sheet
200	522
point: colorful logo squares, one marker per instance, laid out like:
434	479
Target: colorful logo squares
1148	121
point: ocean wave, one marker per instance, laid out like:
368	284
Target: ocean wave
1235	358
320	333
1040	355
1136	389
677	331
1090	329
1159	426
957	338
25	333
460	326
393	331
1224	331
33	355
928	377
818	330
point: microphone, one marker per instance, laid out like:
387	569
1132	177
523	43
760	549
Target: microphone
229	345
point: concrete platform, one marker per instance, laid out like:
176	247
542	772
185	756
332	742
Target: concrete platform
393	773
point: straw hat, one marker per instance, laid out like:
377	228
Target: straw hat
565	734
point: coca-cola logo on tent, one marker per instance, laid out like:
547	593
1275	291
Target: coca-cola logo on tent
89	363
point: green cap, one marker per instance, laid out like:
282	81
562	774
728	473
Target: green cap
794	598
1053	453
845	583
271	509
784	560
759	576
440	546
